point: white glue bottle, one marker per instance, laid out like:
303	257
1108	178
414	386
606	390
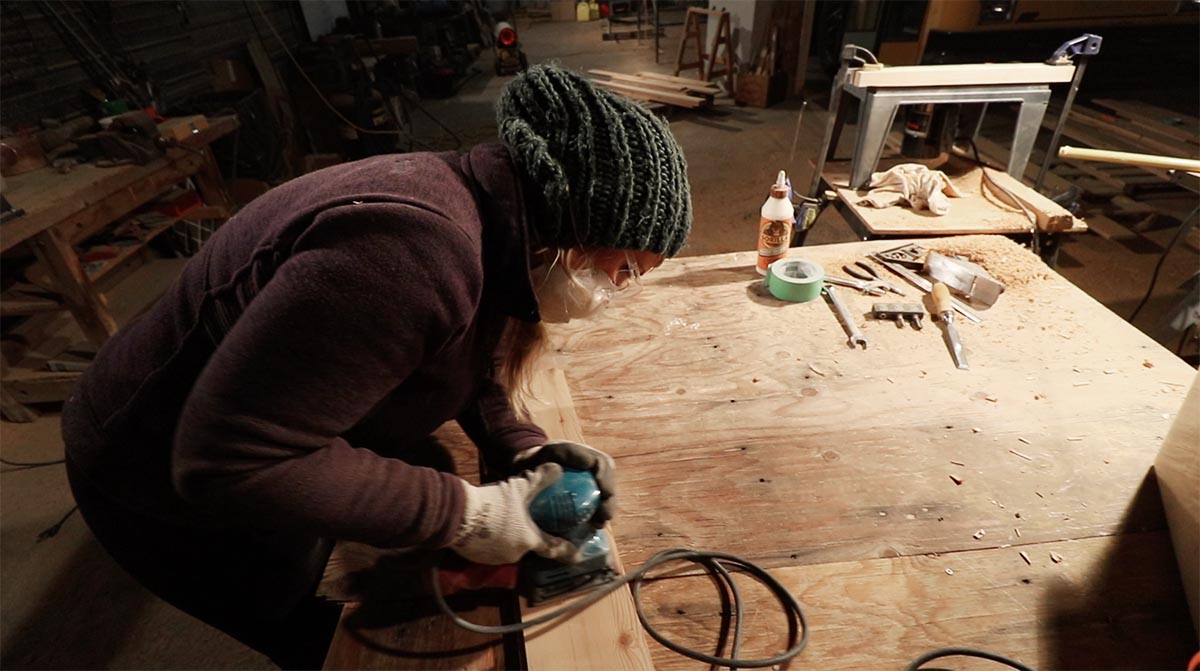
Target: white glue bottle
775	226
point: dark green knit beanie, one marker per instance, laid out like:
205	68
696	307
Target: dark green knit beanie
609	172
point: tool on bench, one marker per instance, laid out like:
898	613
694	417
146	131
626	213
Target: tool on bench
945	312
900	312
872	288
855	337
563	509
963	277
926	286
866	272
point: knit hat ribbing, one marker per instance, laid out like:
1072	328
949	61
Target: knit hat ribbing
610	173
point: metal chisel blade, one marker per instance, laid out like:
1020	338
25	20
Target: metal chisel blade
956	348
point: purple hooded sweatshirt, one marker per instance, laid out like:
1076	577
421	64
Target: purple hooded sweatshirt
323	331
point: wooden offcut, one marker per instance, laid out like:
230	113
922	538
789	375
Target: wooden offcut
607	636
966	74
1051	217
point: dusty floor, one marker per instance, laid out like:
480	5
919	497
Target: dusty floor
66	605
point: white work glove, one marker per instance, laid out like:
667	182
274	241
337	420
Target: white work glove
497	528
582	458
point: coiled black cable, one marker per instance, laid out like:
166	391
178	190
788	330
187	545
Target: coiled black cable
717	564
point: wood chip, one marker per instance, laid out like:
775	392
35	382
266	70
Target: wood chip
816	370
1173	384
1082	384
1025	556
977	430
890	380
1017	532
949	571
1055	557
1026	457
1147	364
993	399
1074	439
1024	441
978	534
957	480
1110	371
957	463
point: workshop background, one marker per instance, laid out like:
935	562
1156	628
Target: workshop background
263	91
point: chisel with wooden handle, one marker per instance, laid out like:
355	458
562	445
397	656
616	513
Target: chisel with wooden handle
944	308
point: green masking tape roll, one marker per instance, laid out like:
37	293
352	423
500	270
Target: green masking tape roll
795	280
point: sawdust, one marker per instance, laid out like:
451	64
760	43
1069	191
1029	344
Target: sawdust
1002	259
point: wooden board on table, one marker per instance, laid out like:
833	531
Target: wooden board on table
1105	605
964	74
1177	469
744	424
607	635
978	212
753	429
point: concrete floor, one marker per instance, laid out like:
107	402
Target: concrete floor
66	605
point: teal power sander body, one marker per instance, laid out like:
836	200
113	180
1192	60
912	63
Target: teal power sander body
565	509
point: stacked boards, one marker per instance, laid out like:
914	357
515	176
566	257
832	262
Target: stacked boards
658	88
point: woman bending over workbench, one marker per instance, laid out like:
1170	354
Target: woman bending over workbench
273	400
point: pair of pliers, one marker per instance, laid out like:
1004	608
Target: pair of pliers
866	272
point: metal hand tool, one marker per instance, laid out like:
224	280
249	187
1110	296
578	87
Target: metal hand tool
945	311
899	312
927	286
866	272
872	288
855	336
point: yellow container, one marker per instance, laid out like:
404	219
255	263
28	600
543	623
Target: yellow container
582	12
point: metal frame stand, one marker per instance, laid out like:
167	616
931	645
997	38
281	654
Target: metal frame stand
878	110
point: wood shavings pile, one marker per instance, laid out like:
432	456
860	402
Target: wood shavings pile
1002	258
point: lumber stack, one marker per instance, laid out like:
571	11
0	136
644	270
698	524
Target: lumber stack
657	88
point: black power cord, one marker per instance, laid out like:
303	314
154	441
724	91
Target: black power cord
716	563
965	652
1183	227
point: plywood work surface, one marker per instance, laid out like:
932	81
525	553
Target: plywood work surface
743	424
979	211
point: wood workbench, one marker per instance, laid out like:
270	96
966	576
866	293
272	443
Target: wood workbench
907	504
62	210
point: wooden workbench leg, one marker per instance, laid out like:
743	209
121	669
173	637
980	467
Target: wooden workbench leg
85	304
211	185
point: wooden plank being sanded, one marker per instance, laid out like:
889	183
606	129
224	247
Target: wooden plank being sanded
651	94
607	635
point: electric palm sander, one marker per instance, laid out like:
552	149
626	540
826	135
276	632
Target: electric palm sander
563	509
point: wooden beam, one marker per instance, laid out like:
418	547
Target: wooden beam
656	95
632	80
694	84
966	74
607	635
